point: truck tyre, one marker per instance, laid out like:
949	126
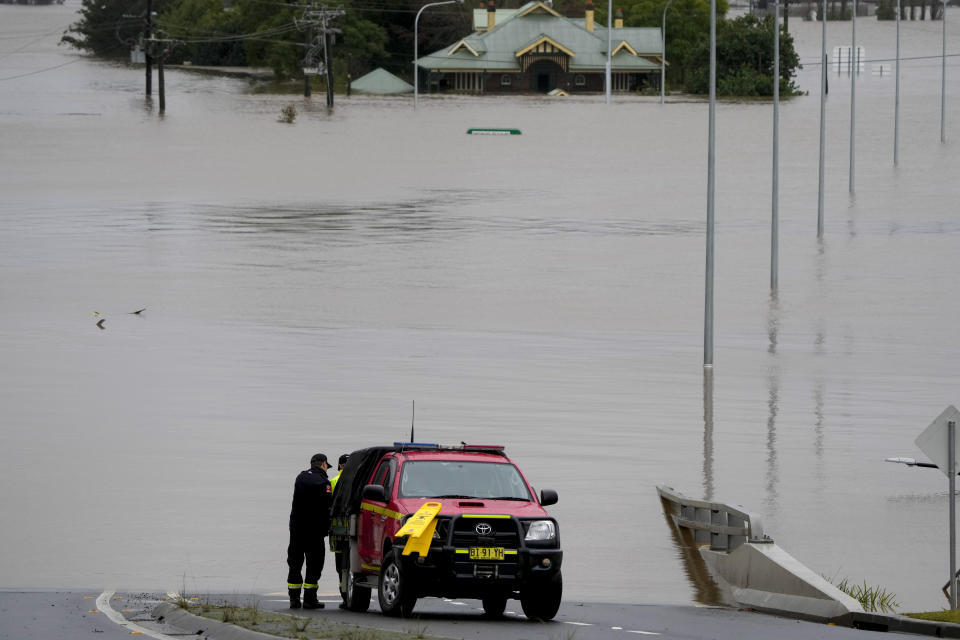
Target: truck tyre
355	597
394	589
542	601
494	606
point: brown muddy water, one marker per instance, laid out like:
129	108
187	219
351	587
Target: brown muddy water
304	283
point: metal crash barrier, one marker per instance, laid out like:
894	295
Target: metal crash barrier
730	559
722	526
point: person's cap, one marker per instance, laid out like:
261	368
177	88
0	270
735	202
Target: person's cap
318	459
343	459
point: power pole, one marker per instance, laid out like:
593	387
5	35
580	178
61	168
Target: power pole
320	38
306	76
161	88
146	49
327	50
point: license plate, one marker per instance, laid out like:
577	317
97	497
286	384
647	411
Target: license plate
486	553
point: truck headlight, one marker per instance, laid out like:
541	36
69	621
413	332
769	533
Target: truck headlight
541	530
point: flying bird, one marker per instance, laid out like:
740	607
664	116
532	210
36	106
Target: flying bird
100	323
138	312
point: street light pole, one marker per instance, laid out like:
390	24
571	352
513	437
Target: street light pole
663	50
775	197
416	42
823	113
943	93
609	45
896	104
711	172
952	475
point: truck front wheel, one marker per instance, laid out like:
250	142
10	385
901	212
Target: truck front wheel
394	588
541	601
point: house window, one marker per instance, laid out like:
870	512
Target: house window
505	80
580	80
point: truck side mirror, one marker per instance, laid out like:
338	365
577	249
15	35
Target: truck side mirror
548	497
374	492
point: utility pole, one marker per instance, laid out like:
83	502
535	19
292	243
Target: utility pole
161	88
306	76
324	40
146	49
327	50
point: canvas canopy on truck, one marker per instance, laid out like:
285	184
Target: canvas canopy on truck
347	497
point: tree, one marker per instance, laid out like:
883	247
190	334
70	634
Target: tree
688	22
744	59
109	28
206	31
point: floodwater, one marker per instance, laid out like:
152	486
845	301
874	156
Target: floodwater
304	283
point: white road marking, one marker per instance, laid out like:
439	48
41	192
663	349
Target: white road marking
616	628
103	604
579	624
645	633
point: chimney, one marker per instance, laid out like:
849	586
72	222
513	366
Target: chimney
588	22
491	16
618	19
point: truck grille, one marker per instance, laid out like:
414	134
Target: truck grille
503	533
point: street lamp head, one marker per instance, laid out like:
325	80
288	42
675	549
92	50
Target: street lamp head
910	462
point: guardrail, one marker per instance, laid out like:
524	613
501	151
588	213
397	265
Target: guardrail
724	527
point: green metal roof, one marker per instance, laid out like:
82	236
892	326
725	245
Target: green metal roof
380	81
496	48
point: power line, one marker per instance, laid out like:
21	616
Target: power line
33	73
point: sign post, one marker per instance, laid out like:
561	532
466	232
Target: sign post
939	442
952	466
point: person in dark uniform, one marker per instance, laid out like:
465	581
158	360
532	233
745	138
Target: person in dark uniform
309	523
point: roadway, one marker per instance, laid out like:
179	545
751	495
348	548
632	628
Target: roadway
73	614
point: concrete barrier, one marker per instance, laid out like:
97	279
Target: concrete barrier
748	567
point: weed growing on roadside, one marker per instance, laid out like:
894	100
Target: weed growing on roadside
873	599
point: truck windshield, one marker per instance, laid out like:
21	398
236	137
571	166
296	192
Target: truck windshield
448	479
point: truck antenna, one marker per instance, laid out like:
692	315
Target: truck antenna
413	413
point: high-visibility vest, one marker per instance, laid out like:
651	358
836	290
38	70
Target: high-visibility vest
333	481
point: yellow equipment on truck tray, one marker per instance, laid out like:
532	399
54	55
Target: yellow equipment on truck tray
420	528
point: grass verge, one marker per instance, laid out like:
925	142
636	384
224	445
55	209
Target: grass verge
253	616
947	615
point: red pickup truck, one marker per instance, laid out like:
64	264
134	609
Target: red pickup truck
493	539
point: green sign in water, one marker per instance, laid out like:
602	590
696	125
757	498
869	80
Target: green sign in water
488	131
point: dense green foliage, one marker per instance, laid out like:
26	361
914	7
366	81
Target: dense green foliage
109	27
688	23
744	59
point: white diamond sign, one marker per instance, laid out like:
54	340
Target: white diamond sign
933	440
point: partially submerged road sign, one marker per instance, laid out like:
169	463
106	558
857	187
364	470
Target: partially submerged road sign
933	440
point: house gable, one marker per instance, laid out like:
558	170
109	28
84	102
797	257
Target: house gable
624	45
476	50
535	8
544	44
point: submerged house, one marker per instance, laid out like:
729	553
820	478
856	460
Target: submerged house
535	49
380	82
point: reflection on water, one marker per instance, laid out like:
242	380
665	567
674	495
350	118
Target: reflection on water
771	500
705	589
818	415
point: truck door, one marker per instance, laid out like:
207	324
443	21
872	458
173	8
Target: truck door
386	525
372	518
